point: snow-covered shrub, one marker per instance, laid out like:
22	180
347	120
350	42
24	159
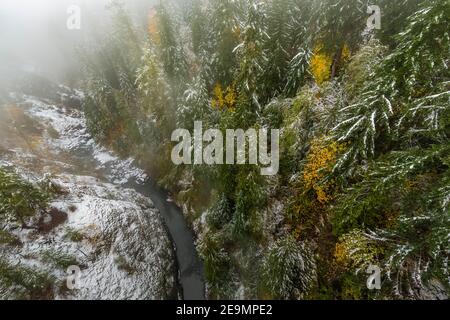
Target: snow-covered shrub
221	213
22	282
216	259
288	270
19	199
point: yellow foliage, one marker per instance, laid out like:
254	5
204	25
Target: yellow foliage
340	254
320	65
346	54
320	160
224	99
230	98
355	250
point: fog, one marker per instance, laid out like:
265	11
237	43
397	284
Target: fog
35	37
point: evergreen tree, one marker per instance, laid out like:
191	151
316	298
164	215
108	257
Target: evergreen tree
223	37
171	49
19	199
364	172
288	269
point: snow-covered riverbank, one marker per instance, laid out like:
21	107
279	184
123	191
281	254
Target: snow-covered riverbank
114	234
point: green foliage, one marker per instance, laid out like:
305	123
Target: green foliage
223	35
58	259
195	105
288	47
362	67
343	23
221	213
216	259
288	269
20	282
197	24
171	52
74	235
408	78
384	113
250	51
406	204
110	67
357	251
394	18
8	238
382	186
249	196
154	88
19	200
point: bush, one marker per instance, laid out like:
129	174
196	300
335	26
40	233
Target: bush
20	282
288	269
8	238
58	259
221	213
19	199
216	260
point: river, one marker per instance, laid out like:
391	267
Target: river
78	148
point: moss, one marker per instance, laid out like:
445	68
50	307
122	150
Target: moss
53	133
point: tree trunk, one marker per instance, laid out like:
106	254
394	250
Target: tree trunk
336	63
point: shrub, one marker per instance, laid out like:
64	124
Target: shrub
58	259
8	238
19	199
288	269
20	282
216	259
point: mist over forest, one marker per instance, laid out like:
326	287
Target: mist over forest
225	150
35	36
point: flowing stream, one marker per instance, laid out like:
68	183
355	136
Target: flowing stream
75	146
189	265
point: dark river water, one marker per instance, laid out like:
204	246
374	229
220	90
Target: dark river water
189	265
82	155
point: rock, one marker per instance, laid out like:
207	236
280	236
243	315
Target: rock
135	260
123	253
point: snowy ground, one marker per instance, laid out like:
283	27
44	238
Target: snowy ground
113	234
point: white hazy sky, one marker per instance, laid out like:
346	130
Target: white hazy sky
33	33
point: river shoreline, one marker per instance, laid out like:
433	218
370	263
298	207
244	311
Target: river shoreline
64	130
